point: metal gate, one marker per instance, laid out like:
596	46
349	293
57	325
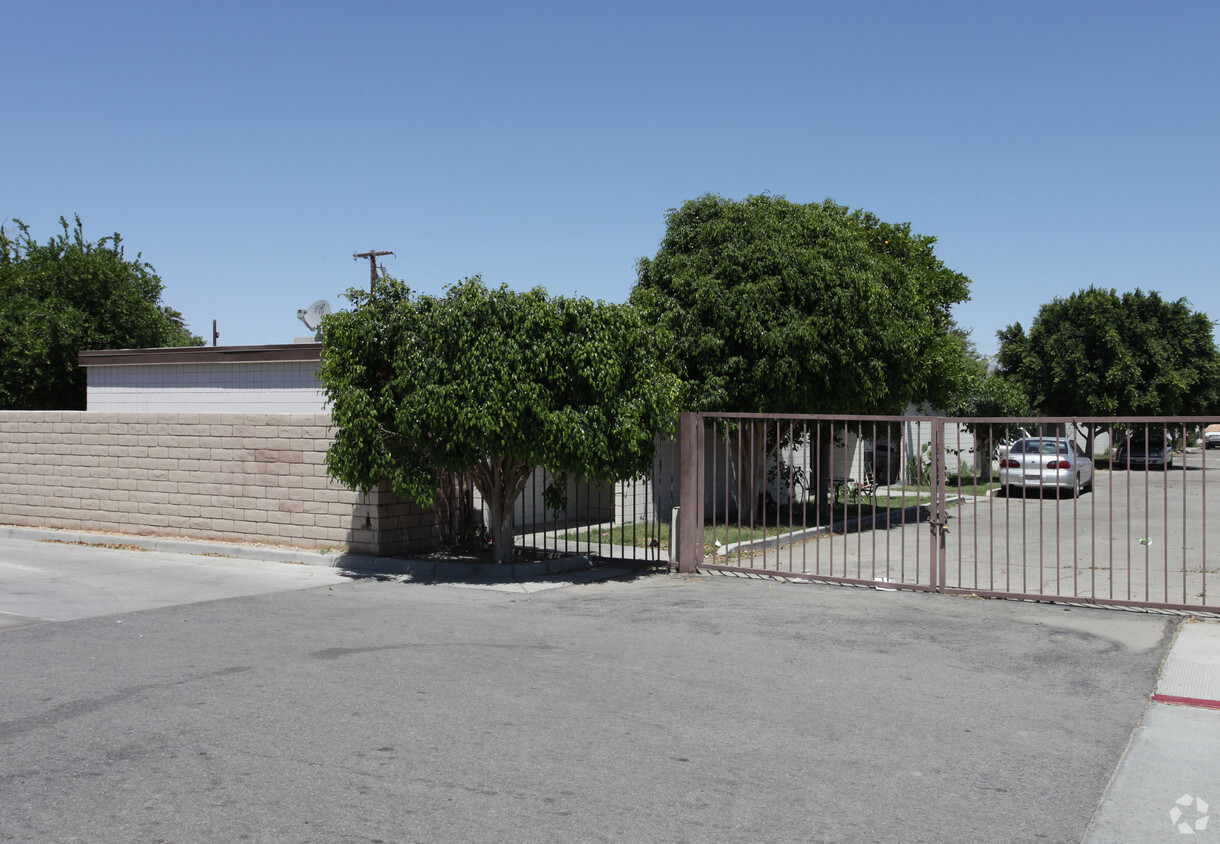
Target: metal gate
1095	510
626	521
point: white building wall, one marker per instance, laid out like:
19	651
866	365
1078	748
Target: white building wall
265	387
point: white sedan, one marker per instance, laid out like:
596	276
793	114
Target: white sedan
1046	462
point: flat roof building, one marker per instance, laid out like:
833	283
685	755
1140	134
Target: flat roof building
280	378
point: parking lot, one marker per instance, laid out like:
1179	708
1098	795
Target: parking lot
1137	536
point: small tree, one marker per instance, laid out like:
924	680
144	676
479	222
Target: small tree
181	334
991	394
67	295
494	383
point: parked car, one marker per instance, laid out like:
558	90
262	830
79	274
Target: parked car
1046	462
1211	436
1008	440
1145	451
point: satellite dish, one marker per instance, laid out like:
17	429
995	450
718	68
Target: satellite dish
312	316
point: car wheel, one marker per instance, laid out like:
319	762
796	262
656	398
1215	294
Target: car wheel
1076	489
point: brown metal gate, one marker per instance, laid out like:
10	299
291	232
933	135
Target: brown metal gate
916	503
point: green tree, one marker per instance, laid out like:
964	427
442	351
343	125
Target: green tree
182	334
492	382
65	296
993	394
990	393
769	306
1099	353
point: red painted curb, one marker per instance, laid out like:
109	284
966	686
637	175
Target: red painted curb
1187	701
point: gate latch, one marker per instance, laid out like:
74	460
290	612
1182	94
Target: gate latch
938	523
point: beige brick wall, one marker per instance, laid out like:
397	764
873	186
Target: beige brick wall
224	476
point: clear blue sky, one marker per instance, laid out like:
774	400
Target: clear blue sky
247	149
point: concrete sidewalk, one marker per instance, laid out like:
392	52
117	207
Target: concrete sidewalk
141	572
1169	778
357	564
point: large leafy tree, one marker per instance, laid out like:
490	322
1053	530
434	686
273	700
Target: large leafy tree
67	295
773	306
1101	353
492	382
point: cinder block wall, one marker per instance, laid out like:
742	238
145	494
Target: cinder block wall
226	476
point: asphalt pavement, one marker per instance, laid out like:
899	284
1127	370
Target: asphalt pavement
164	696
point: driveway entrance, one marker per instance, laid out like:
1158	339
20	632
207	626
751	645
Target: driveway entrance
940	521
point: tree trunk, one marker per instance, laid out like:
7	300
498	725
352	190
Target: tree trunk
502	538
823	455
501	481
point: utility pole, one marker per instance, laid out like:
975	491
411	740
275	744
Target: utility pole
372	255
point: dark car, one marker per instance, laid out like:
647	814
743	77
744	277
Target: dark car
1145	451
1211	436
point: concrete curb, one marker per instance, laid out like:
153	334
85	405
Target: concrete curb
355	563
